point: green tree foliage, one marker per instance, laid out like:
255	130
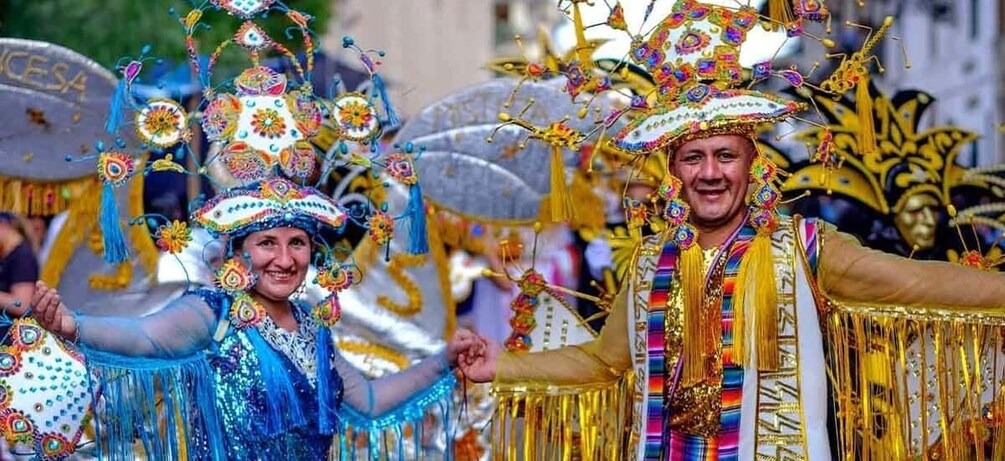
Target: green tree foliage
107	30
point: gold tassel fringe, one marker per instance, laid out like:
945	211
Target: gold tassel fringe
562	422
761	275
755	290
82	216
561	203
912	383
589	213
866	124
743	291
699	342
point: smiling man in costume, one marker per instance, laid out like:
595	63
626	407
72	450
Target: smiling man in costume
717	345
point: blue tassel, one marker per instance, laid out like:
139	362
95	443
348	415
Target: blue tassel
116	250
115	108
392	117
282	408
327	420
418	240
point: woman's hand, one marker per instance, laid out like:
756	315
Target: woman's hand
48	310
463	342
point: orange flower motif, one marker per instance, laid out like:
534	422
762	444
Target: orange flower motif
245	312
268	123
976	260
334	279
355	115
381	228
161	120
174	237
234	277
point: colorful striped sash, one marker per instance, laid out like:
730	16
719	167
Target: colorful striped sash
660	442
656	352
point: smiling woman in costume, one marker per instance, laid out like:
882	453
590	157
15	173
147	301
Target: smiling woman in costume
242	370
262	370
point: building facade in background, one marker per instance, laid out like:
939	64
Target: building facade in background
437	47
953	47
433	47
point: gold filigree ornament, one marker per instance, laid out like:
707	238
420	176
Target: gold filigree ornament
912	175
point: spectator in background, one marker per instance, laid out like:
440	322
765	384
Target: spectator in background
18	266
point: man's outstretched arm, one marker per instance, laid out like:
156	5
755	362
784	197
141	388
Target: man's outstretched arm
599	361
850	272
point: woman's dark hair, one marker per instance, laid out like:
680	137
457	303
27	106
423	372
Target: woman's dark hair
236	244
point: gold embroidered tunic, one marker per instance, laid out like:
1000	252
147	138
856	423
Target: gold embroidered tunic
846	272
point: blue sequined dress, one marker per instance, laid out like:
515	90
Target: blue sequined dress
260	392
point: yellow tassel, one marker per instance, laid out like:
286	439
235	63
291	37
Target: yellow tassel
697	334
583	53
561	422
561	205
761	274
780	11
866	125
743	289
590	212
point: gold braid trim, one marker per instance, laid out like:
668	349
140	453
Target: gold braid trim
366	254
374	350
917	383
85	198
40	198
413	294
545	422
438	251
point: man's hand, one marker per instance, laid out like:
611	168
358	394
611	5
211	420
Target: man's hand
48	310
479	364
463	342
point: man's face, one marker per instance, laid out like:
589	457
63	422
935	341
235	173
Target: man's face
715	173
917	220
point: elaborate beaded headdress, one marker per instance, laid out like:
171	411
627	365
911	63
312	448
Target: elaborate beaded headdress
694	58
260	124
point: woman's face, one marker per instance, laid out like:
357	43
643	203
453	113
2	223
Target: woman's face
279	257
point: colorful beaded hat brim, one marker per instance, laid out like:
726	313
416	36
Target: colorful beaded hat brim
274	203
702	111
